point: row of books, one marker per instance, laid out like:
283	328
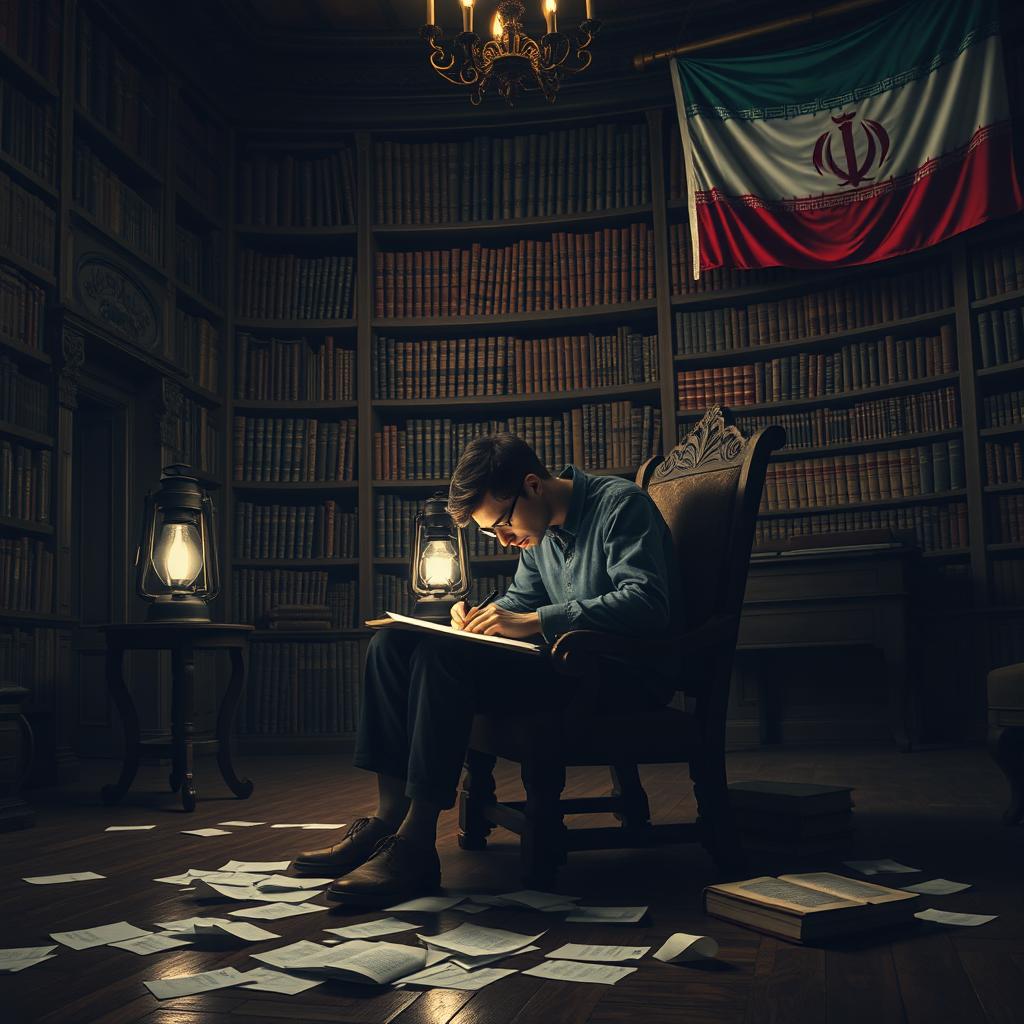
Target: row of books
997	267
1000	337
568	270
28	131
293	449
101	192
295	531
394	519
293	369
308	689
254	592
1008	519
857	367
1004	462
28	658
26	575
196	439
26	476
287	191
1004	409
24	401
28	226
823	311
199	262
195	349
864	476
939	527
501	365
549	174
681	281
391	591
609	435
290	287
112	88
199	155
865	421
1007	581
21	309
32	30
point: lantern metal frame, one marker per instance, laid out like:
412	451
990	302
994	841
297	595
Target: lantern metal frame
434	522
179	499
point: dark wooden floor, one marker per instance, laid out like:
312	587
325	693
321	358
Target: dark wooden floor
936	810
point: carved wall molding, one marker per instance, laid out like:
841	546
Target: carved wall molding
72	347
172	407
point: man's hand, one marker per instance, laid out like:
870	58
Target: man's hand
492	620
459	612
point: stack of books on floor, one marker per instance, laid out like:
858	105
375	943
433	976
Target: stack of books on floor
299	617
792	819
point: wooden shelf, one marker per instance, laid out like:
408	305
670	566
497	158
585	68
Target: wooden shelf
898	441
1004	548
1006	430
204	395
476	228
915	499
27	74
1003	299
38	618
296	485
28	176
773	349
1007	488
243	404
442	482
549	399
402	562
530	320
296	326
196	208
110	144
41	274
949	553
298	562
22	351
24	526
988	372
844	398
110	238
206	480
29	437
257	233
198	302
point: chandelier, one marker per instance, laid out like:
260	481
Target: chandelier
510	62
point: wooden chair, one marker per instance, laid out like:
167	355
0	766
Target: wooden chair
708	489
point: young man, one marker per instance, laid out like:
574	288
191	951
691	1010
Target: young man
595	554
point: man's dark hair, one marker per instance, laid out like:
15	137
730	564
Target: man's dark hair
494	464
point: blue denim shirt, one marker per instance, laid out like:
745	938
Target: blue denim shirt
611	567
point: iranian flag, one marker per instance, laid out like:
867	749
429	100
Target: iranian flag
884	141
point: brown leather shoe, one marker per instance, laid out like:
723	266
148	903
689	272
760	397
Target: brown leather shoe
356	846
399	869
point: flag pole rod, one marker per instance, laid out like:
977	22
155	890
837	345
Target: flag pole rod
641	61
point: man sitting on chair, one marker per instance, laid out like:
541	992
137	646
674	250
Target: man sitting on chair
595	554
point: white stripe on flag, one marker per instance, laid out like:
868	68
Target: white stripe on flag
691	177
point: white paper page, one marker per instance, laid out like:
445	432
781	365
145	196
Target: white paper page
572	970
537	900
191	984
467	907
232	877
264	979
261	866
884	866
128	828
470	963
205	889
522	645
205	832
21	957
486	899
146	944
182	879
88	938
241	824
608	915
428	904
937	887
283	883
236	929
557	908
182	925
371	929
302	954
275	911
448	976
948	917
681	948
73	876
314	826
20	965
384	962
475	940
602	954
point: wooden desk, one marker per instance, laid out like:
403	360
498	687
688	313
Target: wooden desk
182	640
839	598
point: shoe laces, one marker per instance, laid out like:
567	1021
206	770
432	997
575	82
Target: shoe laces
357	826
385	846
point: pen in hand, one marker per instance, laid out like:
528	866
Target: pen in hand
470	612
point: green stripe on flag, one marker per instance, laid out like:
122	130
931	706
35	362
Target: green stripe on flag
900	47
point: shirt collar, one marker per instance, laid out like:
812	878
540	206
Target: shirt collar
574	516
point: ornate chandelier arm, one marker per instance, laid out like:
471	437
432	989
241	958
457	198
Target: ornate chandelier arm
444	56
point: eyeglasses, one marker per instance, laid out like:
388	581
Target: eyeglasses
503	524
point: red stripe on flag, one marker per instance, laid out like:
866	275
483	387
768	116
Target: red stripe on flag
954	197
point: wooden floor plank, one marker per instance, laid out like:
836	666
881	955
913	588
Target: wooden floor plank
933	983
861	986
998	980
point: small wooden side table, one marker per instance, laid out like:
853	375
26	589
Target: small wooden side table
182	640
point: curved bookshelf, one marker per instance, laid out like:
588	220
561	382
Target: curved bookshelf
28	176
301	405
544	400
897	441
296	326
914	499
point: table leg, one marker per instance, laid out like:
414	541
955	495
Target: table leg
242	788
183	669
130	724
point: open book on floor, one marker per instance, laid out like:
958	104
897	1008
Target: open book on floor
395	621
809	907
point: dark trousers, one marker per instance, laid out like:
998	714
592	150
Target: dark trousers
420	694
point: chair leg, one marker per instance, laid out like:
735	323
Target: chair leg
714	813
476	793
542	847
635	810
